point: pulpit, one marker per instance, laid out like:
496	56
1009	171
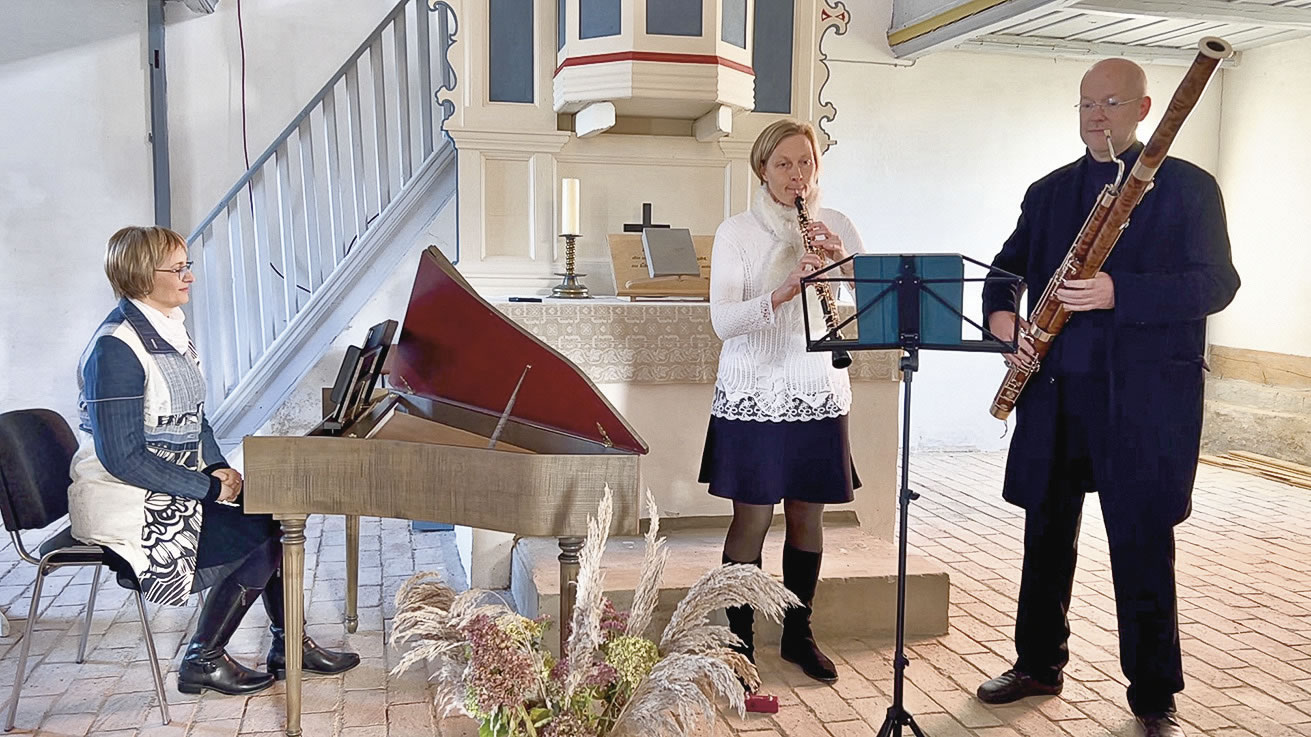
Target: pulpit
617	57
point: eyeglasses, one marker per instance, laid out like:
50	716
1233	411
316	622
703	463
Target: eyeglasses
1109	106
180	271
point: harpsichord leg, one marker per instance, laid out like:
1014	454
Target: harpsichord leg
352	571
293	582
569	549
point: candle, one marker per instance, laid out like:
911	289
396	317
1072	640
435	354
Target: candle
569	206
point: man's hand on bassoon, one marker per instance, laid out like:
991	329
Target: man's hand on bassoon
1081	295
1002	324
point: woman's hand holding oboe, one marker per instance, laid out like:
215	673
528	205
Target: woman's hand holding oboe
829	243
791	286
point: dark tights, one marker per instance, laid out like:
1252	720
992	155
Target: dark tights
746	534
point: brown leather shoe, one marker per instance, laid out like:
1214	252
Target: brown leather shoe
1013	686
1161	725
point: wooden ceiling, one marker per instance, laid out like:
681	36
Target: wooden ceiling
1149	30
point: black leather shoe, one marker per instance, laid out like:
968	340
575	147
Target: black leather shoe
314	659
203	670
802	650
1013	686
1161	725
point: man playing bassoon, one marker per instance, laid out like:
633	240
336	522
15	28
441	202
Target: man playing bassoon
1116	406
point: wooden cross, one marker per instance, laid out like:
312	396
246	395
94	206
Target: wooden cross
646	221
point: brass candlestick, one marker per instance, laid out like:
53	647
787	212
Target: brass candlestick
570	288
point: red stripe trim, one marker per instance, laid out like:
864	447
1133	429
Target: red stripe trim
661	56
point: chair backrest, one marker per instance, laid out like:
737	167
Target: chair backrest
36	450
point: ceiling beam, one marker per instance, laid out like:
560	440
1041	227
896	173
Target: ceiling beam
1209	10
1063	49
947	29
933	21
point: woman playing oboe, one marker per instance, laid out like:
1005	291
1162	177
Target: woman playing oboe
778	423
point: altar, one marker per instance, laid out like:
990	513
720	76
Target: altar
656	363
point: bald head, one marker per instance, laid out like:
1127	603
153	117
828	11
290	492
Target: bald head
1121	74
1112	81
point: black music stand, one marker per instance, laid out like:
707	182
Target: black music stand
894	305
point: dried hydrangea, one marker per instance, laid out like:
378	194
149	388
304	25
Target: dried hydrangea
601	675
523	631
613	621
568	724
501	673
632	657
558	671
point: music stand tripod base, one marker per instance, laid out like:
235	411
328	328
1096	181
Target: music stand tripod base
897	715
909	311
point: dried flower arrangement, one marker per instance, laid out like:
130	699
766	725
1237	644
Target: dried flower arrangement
490	663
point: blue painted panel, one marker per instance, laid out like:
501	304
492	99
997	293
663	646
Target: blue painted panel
771	55
673	17
941	299
510	53
598	18
735	23
559	24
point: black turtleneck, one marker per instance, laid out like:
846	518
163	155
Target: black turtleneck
1082	347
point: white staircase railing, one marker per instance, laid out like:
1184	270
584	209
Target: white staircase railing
294	219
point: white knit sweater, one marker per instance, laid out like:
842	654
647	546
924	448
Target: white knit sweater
765	372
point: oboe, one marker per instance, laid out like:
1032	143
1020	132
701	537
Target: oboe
841	359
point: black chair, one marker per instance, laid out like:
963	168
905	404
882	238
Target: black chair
36	450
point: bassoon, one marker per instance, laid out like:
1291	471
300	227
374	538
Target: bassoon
1107	221
841	359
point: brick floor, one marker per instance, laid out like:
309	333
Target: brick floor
1245	611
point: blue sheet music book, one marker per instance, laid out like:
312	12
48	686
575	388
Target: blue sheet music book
940	302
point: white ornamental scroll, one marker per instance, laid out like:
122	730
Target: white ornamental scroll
835	17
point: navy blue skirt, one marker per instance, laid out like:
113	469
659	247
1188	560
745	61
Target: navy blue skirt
766	462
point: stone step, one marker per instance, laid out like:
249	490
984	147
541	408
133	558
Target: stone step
1276	398
857	593
1271	420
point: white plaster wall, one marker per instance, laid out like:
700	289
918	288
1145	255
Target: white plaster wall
292	48
1265	149
936	158
74	167
76	161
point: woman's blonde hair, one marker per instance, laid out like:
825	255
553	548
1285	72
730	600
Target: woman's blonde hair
770	137
133	254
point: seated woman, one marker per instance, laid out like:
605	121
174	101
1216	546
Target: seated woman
150	484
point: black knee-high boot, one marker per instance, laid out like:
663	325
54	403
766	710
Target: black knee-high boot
800	576
742	620
314	659
206	664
